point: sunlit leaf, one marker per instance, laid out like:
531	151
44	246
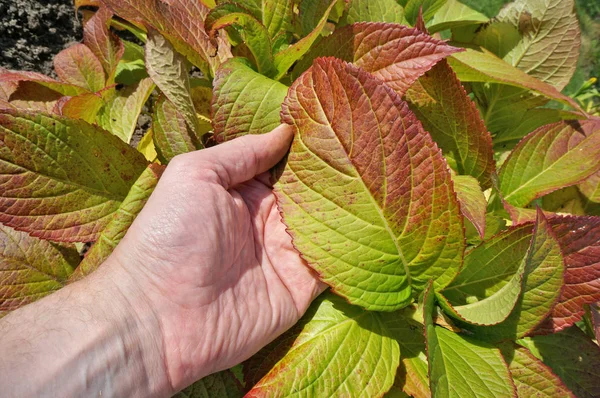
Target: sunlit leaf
429	8
105	45
571	154
472	201
366	194
373	11
115	230
123	107
395	54
62	179
79	66
336	339
131	67
454	14
30	268
146	146
171	135
572	356
84	106
43	80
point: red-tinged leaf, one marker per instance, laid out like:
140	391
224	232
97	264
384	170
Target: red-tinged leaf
572	356
335	339
480	65
579	239
79	66
217	385
87	3
106	46
460	366
84	106
532	378
571	154
448	114
244	101
171	135
30	268
7	88
472	201
62	179
42	80
590	187
123	108
395	54
122	218
366	194
32	96
182	22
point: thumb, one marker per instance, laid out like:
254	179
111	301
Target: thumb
243	158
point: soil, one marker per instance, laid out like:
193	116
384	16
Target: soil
32	32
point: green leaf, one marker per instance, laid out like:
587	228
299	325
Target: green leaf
310	12
123	107
532	378
366	194
79	66
590	187
448	114
62	179
542	283
121	220
472	201
549	48
460	366
429	7
284	59
244	101
253	33
182	23
453	14
170	73
131	67
571	154
105	45
395	54
83	106
217	385
498	37
572	356
277	16
171	135
335	340
372	11
146	146
30	268
480	65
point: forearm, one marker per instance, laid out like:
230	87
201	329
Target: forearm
88	339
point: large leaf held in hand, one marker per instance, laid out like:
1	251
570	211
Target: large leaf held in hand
395	54
62	179
552	157
244	101
335	341
30	268
366	194
549	48
460	366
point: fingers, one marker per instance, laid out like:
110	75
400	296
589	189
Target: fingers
243	158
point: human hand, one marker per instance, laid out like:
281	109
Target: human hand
211	257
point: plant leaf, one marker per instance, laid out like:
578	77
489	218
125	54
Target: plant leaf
448	114
29	269
428	7
549	48
336	339
83	106
375	218
372	11
579	238
454	14
106	46
460	366
284	59
472	201
542	283
147	148
277	16
480	65
531	377
244	101
252	32
62	179
395	54
79	66
590	187
217	385
171	135
122	109
122	218
572	356
182	22
131	67
42	80
571	154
